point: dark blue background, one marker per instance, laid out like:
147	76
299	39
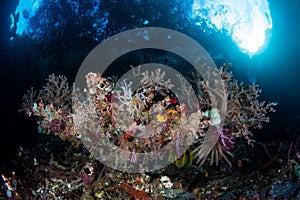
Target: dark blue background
276	69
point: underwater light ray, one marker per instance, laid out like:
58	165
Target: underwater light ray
245	21
25	9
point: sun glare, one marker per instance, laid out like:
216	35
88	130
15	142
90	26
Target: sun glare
245	21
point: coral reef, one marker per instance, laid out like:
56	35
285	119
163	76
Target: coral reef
126	112
244	112
117	113
59	172
52	106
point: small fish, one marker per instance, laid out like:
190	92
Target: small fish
275	103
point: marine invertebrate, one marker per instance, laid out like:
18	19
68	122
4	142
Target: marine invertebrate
52	107
244	112
10	185
154	114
